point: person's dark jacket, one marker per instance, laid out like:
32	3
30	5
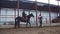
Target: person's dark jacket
40	19
23	14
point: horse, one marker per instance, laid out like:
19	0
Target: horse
20	19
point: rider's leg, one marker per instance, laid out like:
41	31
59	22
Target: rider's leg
24	18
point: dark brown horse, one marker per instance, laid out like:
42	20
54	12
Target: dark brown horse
20	19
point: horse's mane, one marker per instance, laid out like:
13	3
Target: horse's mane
28	15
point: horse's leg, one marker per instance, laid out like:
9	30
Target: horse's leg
26	24
15	24
29	23
18	24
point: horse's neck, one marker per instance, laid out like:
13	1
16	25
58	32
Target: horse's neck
29	16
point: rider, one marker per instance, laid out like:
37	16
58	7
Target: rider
24	16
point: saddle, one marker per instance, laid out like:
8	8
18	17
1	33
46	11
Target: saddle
24	18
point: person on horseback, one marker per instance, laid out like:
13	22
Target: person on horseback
24	15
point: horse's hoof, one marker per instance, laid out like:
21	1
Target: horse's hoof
40	27
15	27
18	27
30	26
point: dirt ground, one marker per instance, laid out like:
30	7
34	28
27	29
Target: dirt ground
43	30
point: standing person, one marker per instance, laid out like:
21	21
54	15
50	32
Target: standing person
40	20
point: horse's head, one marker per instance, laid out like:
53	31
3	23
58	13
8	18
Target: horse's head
31	15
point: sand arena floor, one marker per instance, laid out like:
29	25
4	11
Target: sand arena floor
43	30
